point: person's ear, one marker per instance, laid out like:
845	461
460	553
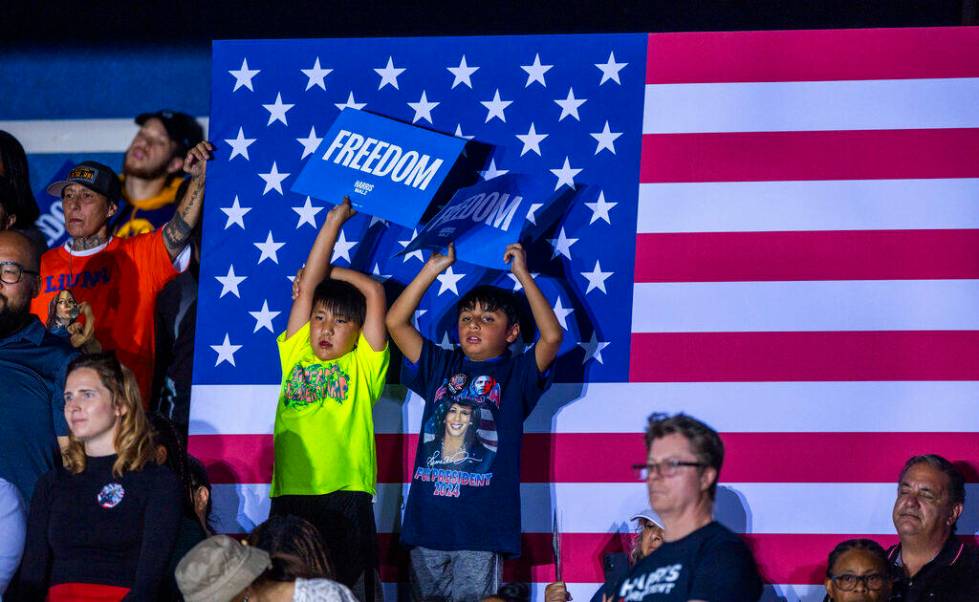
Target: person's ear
201	498
707	478
956	513
9	221
111	210
830	591
514	333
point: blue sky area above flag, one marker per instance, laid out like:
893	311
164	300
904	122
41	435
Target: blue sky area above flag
389	169
564	108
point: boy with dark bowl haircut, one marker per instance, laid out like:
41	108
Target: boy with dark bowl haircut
468	458
334	357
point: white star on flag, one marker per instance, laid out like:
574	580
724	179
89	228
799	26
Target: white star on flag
445	343
462	73
377	220
600	209
239	145
492	171
535	72
517	287
610	70
263	318
277	110
236	214
229	283
243	77
562	313
565	175
307	213
606	139
389	74
376	273
596	278
531	140
531	213
418	313
273	180
593	349
316	75
448	281
423	108
269	249
226	351
310	143
341	250
562	244
350	104
417	253
495	107
569	106
458	133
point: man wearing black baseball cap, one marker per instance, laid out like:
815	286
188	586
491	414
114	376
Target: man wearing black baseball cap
119	278
152	177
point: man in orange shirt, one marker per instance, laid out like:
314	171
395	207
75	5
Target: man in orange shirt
118	277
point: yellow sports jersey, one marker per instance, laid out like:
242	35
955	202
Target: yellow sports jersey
324	423
146	215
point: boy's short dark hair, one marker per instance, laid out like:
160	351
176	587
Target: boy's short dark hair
341	298
490	298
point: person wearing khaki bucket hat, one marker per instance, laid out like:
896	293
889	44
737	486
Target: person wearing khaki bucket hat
220	569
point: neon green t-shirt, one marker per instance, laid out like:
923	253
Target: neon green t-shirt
324	423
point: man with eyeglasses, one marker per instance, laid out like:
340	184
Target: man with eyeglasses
32	372
700	559
930	563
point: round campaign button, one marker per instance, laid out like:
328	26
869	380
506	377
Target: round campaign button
111	495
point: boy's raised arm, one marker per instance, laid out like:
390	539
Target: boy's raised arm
399	319
373	293
551	334
317	265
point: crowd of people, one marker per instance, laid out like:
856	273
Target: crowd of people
99	499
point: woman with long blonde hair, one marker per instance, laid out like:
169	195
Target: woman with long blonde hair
103	527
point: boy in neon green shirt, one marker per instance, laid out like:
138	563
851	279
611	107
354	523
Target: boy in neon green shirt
334	357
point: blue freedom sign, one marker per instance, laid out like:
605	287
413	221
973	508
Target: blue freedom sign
389	169
483	219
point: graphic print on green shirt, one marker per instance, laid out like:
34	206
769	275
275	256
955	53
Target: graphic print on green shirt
308	384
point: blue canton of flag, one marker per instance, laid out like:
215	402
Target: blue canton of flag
567	108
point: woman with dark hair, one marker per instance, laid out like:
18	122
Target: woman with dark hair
455	444
103	527
19	206
857	571
294	536
219	569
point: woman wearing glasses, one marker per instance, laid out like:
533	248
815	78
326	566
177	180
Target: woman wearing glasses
857	571
103	527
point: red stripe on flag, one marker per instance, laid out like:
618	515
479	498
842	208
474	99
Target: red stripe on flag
821	255
811	155
782	558
608	457
770	56
804	356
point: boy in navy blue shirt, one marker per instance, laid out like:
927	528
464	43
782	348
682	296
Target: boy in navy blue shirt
463	510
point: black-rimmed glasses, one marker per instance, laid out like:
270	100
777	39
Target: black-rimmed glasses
666	468
848	582
11	272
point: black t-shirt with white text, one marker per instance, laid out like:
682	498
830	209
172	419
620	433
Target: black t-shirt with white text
711	564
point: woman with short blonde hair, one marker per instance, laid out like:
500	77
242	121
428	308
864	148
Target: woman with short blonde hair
103	527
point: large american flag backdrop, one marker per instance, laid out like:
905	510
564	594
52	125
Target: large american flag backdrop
777	232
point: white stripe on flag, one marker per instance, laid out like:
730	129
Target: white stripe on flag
806	306
763	407
76	135
816	205
811	106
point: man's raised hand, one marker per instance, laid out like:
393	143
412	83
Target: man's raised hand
195	163
341	213
438	262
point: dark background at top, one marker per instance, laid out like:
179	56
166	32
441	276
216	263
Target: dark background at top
141	22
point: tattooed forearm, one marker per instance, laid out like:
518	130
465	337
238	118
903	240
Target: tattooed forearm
176	233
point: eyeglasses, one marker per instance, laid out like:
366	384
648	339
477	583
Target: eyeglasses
11	272
847	582
666	468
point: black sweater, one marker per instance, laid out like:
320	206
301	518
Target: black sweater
78	532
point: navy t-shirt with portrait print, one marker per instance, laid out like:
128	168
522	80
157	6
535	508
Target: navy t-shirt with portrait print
465	485
711	564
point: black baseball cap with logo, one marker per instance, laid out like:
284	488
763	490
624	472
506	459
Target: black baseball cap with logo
92	175
181	127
